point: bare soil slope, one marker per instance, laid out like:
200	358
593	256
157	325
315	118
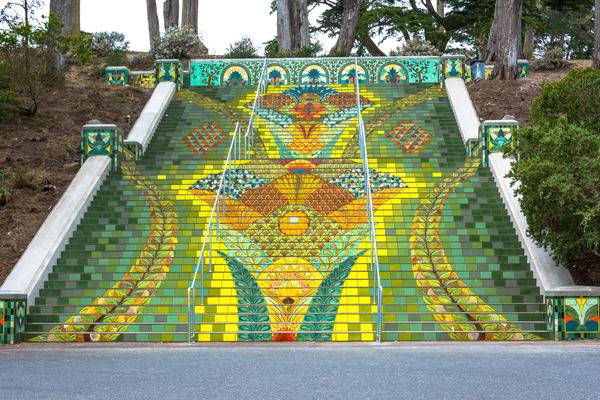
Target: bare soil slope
40	155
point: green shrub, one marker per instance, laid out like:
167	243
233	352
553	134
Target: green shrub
4	192
180	43
560	188
142	61
116	58
311	51
242	49
105	43
554	58
575	97
416	47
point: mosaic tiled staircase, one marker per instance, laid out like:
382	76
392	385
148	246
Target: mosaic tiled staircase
292	261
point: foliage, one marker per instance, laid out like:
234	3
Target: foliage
105	43
560	188
180	43
117	58
32	57
141	61
242	49
416	47
575	97
4	192
554	58
272	50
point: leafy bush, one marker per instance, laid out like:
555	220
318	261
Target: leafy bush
180	43
554	58
4	192
117	57
416	47
242	49
560	188
143	61
575	97
272	50
105	43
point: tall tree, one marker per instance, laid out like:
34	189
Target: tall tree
68	13
504	43
153	27
596	54
348	29
189	14
292	25
171	13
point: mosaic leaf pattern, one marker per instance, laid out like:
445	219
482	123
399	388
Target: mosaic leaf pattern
463	314
252	307
318	322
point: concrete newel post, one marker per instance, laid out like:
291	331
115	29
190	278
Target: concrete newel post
116	75
169	71
99	139
497	135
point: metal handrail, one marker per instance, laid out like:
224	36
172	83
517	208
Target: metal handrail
362	139
260	89
208	235
234	154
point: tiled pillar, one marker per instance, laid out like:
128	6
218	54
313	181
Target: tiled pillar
453	66
12	319
169	71
524	68
117	75
497	135
101	140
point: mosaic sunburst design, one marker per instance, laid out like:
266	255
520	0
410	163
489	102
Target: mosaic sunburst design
293	232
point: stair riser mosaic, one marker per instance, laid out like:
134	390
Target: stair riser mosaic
291	259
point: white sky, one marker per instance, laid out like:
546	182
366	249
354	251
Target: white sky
222	22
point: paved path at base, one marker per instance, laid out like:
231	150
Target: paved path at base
459	371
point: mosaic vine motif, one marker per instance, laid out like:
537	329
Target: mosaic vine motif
393	70
463	314
205	137
111	314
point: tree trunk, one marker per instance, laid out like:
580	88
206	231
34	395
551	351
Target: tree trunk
529	43
345	42
440	5
171	13
68	13
371	46
504	44
299	24
596	53
153	27
189	15
284	27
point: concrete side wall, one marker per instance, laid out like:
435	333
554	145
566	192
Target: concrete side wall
466	116
31	271
151	115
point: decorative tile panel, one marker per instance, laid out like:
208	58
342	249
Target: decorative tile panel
13	313
523	68
498	135
116	75
101	140
169	71
453	66
143	79
317	71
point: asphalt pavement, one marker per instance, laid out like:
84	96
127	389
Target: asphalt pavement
392	371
